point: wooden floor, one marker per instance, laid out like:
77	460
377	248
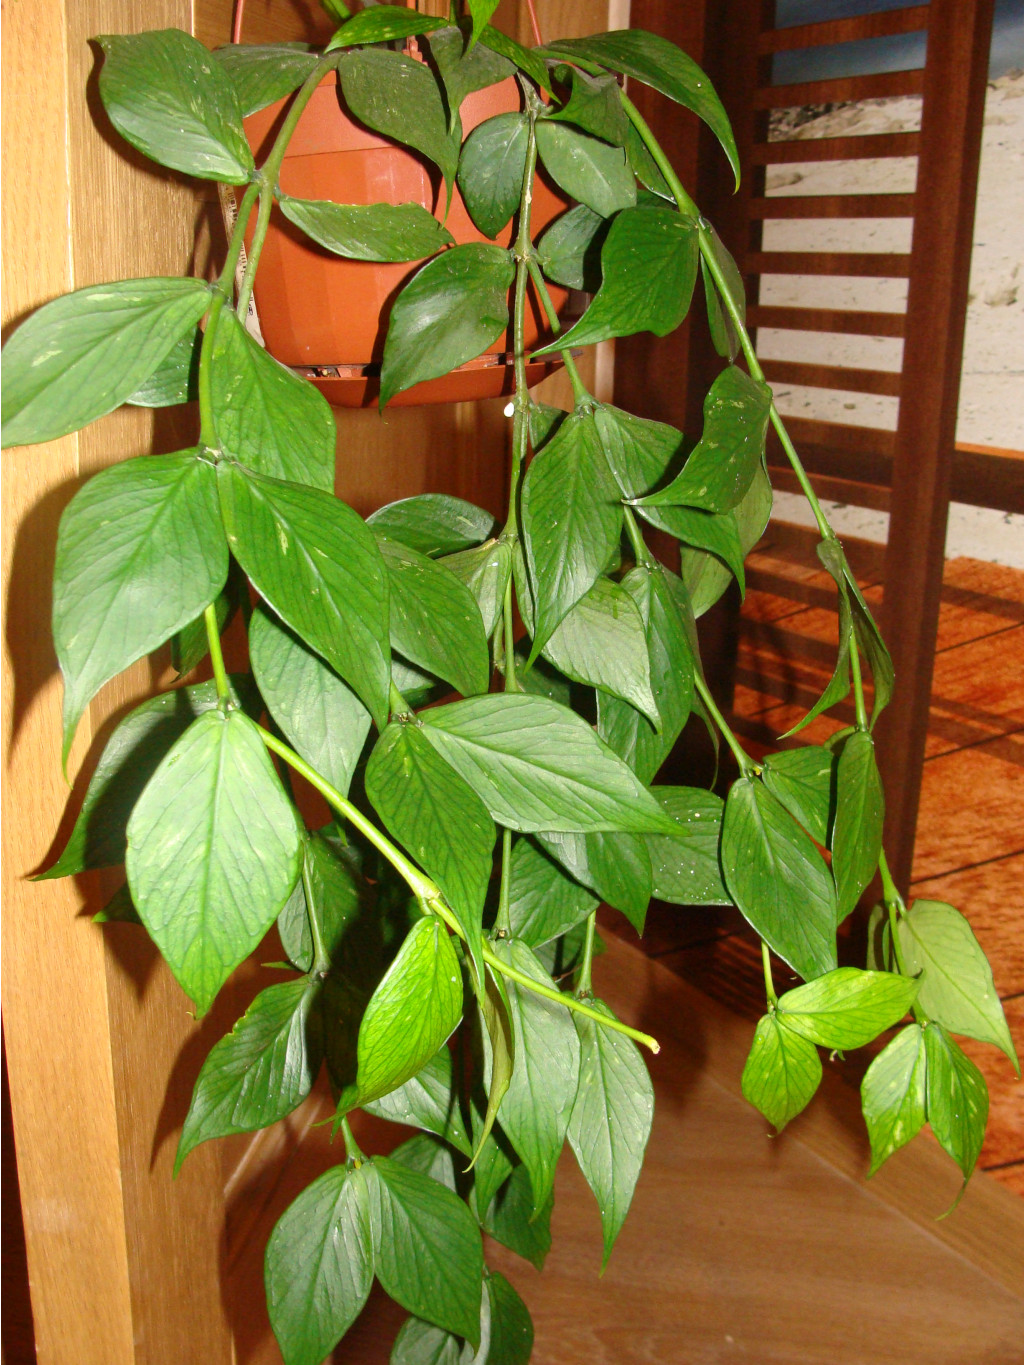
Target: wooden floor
970	837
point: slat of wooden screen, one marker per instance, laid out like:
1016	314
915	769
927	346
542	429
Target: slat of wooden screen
832	206
838	89
850	321
865	145
872	264
832	377
883	25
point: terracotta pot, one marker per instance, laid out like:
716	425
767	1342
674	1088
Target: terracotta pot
327	315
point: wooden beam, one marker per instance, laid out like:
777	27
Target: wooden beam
873	145
838	89
959	36
863	264
850	321
832	377
833	206
860	26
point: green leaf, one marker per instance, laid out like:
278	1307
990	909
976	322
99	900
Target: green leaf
429	1100
669	642
860	812
536	1108
957	989
480	11
430	1258
585	168
782	1072
666	68
724	336
511	1328
435	621
176	379
720	469
140	553
464	70
259	1072
368	232
957	1098
803	780
524	58
544	902
893	1095
511	1219
421	1343
571	521
704	574
319	715
831	555
778	880
602	641
611	1119
485	571
337	902
449	312
499	1046
265	416
645	168
569	251
119	909
594	105
382	24
265	72
191	644
883	675
433	523
685	864
615	867
413	1010
164	92
846	1007
438	817
128	761
648	269
399	97
318	566
425	1154
538	766
213	851
491	169
86	353
319	1264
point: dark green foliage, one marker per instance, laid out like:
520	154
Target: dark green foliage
440	936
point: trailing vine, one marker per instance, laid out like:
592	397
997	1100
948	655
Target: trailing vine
489	787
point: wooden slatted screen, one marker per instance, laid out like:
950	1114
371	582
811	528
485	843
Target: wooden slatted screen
908	471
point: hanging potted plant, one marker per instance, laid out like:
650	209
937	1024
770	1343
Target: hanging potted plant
489	786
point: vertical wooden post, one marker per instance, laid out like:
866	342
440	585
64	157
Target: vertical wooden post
959	34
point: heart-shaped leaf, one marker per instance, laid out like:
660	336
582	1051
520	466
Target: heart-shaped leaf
491	169
399	97
213	851
782	1072
860	812
140	553
166	94
264	72
88	352
685	865
846	1007
893	1094
368	232
429	1100
586	168
448	313
316	563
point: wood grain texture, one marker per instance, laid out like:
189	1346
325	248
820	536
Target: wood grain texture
836	148
909	20
61	1076
951	120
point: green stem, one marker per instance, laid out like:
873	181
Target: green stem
353	1151
421	885
570	1002
641	553
508	624
220	673
226	280
502	922
270	170
732	305
207	429
583	986
769	984
321	957
746	764
580	392
858	685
